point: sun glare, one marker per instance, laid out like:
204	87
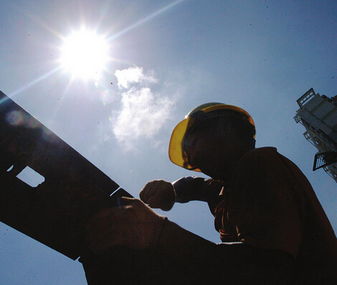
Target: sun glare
84	54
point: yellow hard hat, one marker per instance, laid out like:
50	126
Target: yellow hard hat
176	153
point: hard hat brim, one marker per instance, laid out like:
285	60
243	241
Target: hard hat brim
175	148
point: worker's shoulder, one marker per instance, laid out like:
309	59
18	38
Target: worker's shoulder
266	159
261	154
264	150
264	167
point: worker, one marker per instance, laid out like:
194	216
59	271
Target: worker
272	227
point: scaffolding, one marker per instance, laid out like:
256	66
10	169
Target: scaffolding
318	114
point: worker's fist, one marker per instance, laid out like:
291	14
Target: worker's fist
158	194
133	225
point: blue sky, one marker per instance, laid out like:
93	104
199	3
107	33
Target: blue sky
168	57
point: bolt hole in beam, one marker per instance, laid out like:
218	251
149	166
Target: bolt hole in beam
30	176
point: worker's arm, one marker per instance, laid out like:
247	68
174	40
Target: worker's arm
162	194
136	226
196	188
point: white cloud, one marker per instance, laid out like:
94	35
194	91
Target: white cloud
127	77
143	114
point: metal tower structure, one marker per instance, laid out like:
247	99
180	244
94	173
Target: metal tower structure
318	114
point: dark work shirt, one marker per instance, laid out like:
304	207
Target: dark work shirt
269	204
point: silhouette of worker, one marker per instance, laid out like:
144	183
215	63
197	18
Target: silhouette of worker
272	227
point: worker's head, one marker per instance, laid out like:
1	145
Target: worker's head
212	138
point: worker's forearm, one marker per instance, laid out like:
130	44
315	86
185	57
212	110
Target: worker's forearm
195	188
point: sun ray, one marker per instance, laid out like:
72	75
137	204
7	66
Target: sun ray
34	18
60	101
31	83
144	20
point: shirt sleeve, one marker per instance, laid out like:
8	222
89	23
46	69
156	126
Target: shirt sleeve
262	203
196	188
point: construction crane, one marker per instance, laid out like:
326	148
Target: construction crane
318	114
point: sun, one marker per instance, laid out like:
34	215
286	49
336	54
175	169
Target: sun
84	54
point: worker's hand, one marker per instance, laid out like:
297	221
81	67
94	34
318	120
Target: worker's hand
133	225
158	194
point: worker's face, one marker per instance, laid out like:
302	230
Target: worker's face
214	154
